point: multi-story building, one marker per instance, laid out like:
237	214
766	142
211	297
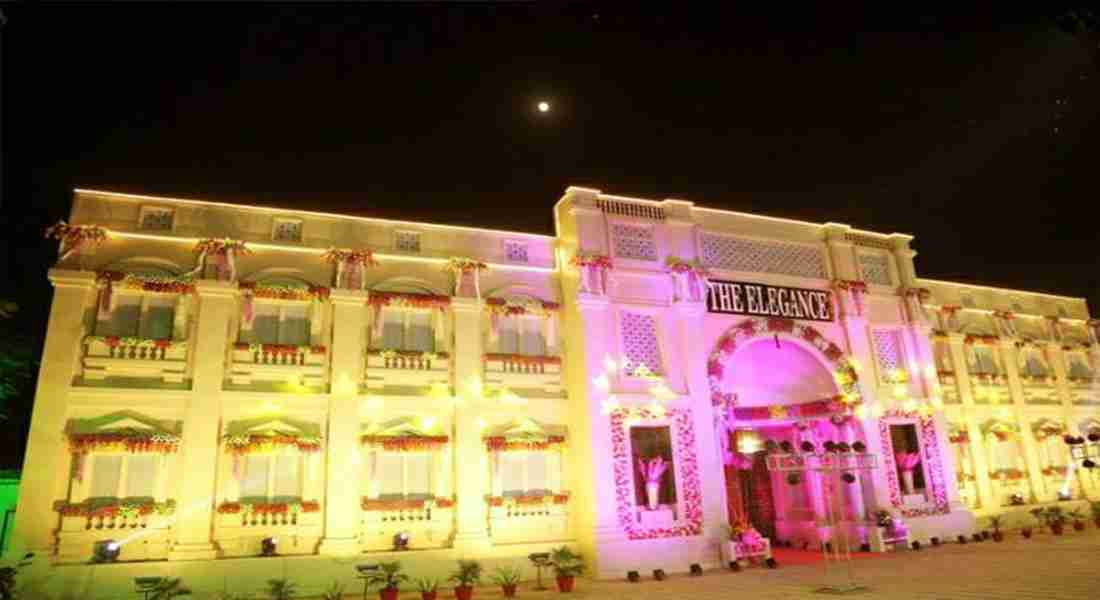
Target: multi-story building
215	376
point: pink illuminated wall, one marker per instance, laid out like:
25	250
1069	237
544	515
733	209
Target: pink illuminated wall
762	374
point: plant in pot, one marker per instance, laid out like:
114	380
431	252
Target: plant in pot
467	576
1095	508
389	576
428	587
1052	517
280	589
652	470
507	578
995	523
1078	520
567	565
1026	531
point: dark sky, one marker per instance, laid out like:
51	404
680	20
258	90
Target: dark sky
977	133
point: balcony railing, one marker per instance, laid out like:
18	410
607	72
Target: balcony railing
521	371
241	533
406	368
142	534
538	519
429	523
278	363
108	356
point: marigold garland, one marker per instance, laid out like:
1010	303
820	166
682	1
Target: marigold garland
458	264
113	341
984	339
405	443
130	441
508	308
502	444
361	257
675	264
118	509
72	237
252	444
523	359
268	508
850	284
280	348
558	499
406	300
149	283
587	259
221	246
285	292
369	504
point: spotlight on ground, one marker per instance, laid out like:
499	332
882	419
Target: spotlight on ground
696	569
401	541
659	574
633	577
268	546
106	551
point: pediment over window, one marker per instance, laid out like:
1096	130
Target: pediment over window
524	429
999	428
123	421
273	426
407	426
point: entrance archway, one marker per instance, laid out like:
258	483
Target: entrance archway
780	382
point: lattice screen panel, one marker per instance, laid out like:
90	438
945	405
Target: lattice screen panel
639	333
888	351
515	251
633	241
739	254
875	268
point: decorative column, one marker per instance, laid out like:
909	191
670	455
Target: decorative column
471	459
978	448
854	491
1031	451
202	422
688	322
47	452
345	462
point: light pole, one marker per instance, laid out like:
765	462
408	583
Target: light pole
837	463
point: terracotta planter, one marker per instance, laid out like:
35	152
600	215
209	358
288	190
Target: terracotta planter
565	584
509	590
464	592
998	536
1078	525
1057	528
388	593
1026	533
428	595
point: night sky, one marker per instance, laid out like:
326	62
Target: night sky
976	133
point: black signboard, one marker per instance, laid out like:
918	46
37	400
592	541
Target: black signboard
757	299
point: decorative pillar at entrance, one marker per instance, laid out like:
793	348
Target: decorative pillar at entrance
201	423
46	450
855	491
978	449
688	321
1031	450
345	461
815	481
471	460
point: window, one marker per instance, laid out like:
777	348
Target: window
639	340
875	268
144	316
156	218
1079	367
406	329
1062	312
521	335
515	251
984	362
904	440
287	230
943	357
1033	364
739	254
272	478
968	301
407	241
888	351
524	473
648	443
129	476
279	324
1052	451
633	241
404	475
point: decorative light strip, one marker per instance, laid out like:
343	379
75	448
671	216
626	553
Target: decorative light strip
381	255
987	311
997	289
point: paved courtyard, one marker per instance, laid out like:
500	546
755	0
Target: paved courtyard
1045	567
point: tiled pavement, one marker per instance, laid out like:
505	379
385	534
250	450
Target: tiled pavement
1045	567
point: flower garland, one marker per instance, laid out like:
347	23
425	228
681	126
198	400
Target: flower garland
223	246
460	267
284	292
558	499
931	458
405	443
240	445
224	252
593	270
73	237
511	308
350	265
368	504
280	349
502	444
1048	430
1007	474
1058	471
125	510
137	442
405	300
523	359
114	341
971	339
181	284
591	259
361	257
390	354
687	467
1006	315
268	508
819	408
690	279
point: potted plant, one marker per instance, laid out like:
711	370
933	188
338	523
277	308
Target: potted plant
467	575
652	470
280	589
1078	520
567	565
428	586
389	576
995	523
1052	517
507	578
334	592
1026	531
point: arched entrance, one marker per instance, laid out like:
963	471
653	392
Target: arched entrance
778	384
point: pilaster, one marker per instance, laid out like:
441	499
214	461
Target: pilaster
344	466
202	422
471	461
46	482
978	448
1031	450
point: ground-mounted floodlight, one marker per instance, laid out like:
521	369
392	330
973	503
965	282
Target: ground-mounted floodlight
269	546
106	551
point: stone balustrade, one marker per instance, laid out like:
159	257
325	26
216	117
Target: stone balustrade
134	357
398	368
524	372
277	363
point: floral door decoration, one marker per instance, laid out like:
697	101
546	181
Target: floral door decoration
929	454
119	432
75	237
350	267
222	254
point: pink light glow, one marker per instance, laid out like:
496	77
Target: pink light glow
762	374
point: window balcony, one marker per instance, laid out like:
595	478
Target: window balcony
387	368
109	356
518	371
429	523
528	518
278	363
240	528
142	531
